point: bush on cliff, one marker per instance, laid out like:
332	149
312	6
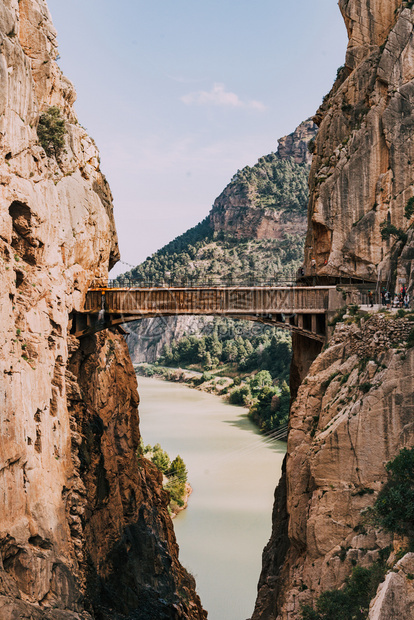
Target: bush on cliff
389	230
160	458
395	502
51	132
177	477
352	602
409	208
175	472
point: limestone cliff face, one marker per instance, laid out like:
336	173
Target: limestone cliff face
353	413
66	448
362	173
296	144
146	339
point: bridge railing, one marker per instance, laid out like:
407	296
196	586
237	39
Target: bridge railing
210	300
193	282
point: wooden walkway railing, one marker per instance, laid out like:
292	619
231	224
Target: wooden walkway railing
240	300
304	309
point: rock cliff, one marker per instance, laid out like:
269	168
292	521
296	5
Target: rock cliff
84	530
362	175
296	144
352	414
353	411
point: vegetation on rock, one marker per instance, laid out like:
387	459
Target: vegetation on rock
216	257
389	230
409	208
258	362
51	132
275	183
352	602
175	471
395	502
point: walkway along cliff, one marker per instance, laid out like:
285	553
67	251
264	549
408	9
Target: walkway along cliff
354	401
84	527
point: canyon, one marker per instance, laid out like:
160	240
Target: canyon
84	526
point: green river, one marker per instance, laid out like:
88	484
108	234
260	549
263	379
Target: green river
233	471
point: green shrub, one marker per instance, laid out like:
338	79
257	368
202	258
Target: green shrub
177	477
365	387
51	132
175	471
395	502
329	380
271	409
260	380
240	396
389	230
176	489
410	339
344	378
338	317
178	469
409	208
351	603
312	146
160	458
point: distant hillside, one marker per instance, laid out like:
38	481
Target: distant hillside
255	229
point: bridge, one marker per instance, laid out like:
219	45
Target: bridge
303	309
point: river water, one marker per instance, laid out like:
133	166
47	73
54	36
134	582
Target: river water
233	471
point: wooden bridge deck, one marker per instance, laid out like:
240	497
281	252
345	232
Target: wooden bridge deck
304	309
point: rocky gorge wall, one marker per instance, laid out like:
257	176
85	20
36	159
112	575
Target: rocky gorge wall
84	529
352	414
354	404
362	174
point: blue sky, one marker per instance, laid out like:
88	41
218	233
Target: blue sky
179	95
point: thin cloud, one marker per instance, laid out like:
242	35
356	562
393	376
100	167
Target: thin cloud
219	96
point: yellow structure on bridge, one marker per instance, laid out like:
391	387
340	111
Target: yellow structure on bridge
303	309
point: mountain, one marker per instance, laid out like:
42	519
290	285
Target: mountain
254	232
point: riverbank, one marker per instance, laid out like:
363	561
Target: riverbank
203	381
266	399
176	509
